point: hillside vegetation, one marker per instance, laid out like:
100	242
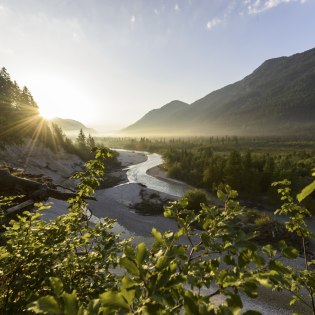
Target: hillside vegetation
19	114
20	121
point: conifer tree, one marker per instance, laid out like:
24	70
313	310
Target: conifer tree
90	142
81	140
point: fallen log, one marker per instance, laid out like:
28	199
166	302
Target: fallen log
20	206
13	184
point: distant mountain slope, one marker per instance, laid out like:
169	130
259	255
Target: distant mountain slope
155	118
277	98
70	125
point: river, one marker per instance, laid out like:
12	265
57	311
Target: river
267	303
138	174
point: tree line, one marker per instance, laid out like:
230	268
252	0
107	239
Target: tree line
251	174
19	114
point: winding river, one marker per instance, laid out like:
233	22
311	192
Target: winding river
138	174
275	303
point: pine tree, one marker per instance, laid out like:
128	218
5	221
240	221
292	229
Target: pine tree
81	140
5	93
90	142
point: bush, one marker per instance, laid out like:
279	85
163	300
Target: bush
195	198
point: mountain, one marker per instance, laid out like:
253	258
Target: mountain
155	118
70	126
278	98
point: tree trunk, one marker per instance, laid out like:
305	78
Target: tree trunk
10	184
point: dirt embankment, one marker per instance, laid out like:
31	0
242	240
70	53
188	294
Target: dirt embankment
37	160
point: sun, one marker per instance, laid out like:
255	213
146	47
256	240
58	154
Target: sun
59	96
47	113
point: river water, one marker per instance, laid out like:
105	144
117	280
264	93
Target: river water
138	174
275	303
267	303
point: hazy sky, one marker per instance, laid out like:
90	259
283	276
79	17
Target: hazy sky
108	62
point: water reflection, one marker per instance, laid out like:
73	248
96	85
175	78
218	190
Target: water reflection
137	174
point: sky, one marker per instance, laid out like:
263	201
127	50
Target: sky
108	62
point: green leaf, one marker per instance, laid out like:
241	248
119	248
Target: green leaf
151	309
114	300
306	191
157	235
128	289
129	265
235	303
46	304
93	307
222	196
86	236
269	250
57	285
290	252
141	251
229	260
279	267
250	288
190	304
3	254
70	303
162	262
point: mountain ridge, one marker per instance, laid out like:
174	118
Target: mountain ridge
71	125
278	97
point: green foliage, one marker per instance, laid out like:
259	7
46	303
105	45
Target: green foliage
68	248
307	190
195	198
250	174
84	146
67	266
294	279
262	219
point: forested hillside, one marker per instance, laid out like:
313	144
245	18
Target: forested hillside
277	98
19	114
20	119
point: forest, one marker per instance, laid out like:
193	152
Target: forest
248	164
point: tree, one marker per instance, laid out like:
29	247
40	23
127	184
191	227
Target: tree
195	198
233	170
90	142
81	141
5	93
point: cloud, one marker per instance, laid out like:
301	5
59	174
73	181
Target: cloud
176	7
258	6
156	11
213	23
133	19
